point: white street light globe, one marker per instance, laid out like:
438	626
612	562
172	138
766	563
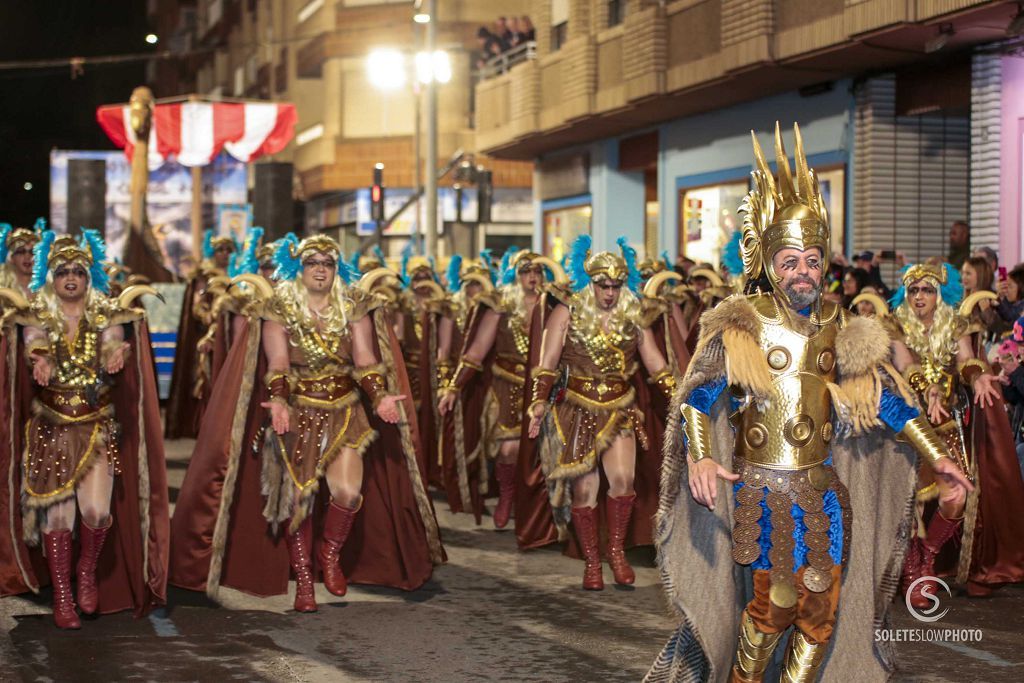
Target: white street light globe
442	66
27	186
152	39
433	67
385	69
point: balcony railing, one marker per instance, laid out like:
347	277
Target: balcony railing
499	64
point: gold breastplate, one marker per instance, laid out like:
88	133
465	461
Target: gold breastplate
794	429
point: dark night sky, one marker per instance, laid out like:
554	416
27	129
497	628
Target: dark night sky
44	108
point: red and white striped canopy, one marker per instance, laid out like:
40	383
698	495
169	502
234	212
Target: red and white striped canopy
193	133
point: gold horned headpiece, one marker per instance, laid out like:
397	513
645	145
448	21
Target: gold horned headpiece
921	271
265	254
523	261
650	266
606	265
320	244
21	237
785	212
54	250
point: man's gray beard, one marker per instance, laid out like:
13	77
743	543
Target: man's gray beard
800	300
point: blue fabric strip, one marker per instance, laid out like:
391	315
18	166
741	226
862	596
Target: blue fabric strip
704	396
894	411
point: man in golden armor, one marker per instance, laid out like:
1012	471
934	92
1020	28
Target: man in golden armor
594	333
814	485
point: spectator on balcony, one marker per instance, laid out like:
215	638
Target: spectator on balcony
490	46
503	33
526	26
518	36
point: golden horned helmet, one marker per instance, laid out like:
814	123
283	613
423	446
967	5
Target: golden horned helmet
788	212
320	244
650	266
21	237
606	265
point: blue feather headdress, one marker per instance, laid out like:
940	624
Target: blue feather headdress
951	291
346	271
507	272
90	242
487	258
39	226
353	264
5	230
286	257
407	252
731	258
245	261
667	261
454	274
93	241
633	278
578	254
208	243
41	260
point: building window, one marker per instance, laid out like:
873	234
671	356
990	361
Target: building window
563	225
708	216
616	12
559	33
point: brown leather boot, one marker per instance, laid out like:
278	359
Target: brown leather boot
58	557
300	555
91	544
584	520
506	476
337	525
618	513
940	531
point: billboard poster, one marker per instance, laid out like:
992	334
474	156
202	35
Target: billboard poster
168	205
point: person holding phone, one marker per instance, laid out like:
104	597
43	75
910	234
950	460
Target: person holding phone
1010	288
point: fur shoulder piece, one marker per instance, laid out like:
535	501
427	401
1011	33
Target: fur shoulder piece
735	313
490	300
362	303
559	294
651	310
861	346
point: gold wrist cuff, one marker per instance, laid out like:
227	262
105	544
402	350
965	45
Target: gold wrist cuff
697	428
665	381
916	379
920	434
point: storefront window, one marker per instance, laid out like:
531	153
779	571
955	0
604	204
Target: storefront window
561	227
708	217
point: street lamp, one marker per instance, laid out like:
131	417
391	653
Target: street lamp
433	67
152	39
385	69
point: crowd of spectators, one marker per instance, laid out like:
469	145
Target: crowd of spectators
506	34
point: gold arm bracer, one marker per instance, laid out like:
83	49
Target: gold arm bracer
697	428
920	434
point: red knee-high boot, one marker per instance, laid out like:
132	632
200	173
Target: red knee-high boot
91	541
506	476
584	520
940	531
618	513
337	525
58	557
300	553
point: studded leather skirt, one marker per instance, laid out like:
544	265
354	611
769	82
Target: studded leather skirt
788	519
507	397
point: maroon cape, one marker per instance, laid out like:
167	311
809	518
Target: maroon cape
183	410
219	535
467	490
132	570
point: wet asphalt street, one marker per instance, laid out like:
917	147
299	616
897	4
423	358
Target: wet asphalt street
490	613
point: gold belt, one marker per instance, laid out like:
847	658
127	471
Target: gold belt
600	389
72	403
328	389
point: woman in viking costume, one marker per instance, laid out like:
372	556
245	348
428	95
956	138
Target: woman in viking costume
184	411
813	482
464	467
498	339
16	255
935	351
80	374
595	338
325	368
